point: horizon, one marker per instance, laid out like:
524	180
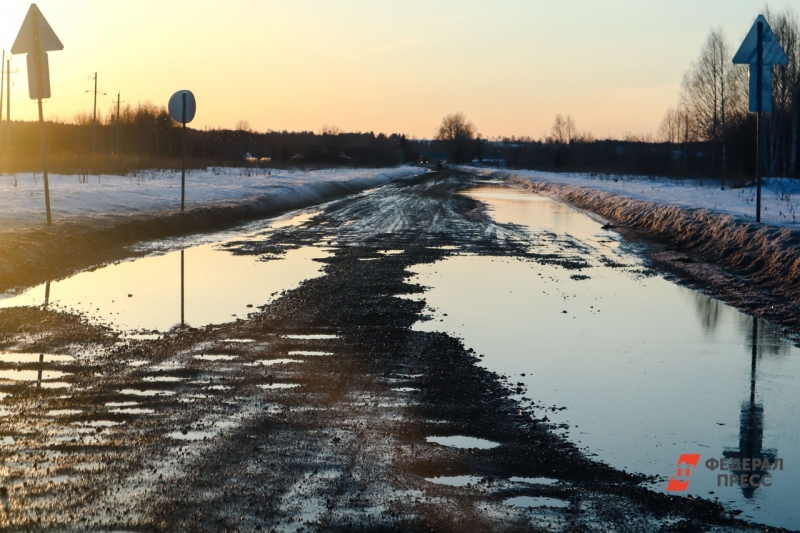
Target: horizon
390	69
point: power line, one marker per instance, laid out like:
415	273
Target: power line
118	101
94	116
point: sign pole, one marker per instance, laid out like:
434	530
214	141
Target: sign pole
183	167
759	114
40	88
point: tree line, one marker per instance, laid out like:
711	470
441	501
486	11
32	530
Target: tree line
712	108
146	135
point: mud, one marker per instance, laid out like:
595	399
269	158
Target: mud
319	416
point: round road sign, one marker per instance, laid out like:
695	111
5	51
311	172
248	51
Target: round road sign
176	110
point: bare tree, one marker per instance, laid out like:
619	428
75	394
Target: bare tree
457	131
785	87
558	132
710	90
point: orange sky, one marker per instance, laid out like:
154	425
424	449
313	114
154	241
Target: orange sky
510	65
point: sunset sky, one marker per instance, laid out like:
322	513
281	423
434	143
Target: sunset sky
510	65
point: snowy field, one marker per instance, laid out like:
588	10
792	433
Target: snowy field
153	191
780	198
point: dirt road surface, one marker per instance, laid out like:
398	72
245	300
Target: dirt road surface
314	413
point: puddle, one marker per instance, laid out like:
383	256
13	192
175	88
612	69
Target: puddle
390	252
8	441
132	411
294	220
239	340
53	385
218	387
121	404
454	481
159	292
312	337
534	480
405	389
646	369
142	336
31	375
279	385
460	441
137	392
309	352
16	357
140	362
530	501
165	379
99	423
270	362
209	357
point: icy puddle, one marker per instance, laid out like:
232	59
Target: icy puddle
460	441
647	370
197	286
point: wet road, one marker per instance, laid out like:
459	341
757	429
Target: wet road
326	405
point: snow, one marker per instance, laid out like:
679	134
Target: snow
153	192
780	197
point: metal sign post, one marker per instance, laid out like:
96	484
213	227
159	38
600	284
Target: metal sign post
36	38
182	107
760	49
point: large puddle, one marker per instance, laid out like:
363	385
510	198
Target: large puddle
199	285
642	370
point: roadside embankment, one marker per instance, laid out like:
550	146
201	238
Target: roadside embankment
35	254
750	265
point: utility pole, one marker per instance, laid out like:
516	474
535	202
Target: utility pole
2	87
8	104
94	116
118	102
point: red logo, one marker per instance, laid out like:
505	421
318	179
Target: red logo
680	481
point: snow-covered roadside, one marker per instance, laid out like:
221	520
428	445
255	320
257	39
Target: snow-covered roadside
699	220
157	192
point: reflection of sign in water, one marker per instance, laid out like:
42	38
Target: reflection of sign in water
750	452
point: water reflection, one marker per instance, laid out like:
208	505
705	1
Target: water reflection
751	431
646	369
215	286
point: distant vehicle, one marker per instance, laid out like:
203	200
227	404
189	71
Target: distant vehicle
424	160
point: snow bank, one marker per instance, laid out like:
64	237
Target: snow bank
680	215
158	192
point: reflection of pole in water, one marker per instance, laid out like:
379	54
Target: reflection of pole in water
41	366
46	295
751	429
182	322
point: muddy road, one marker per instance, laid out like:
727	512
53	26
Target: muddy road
323	410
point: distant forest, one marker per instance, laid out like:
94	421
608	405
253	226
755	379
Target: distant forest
709	133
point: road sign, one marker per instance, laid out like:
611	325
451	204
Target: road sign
760	49
772	52
766	89
176	107
34	24
33	81
182	107
36	38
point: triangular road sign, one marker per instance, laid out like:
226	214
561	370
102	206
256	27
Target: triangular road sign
24	43
748	52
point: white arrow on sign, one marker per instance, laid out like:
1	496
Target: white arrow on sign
25	42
